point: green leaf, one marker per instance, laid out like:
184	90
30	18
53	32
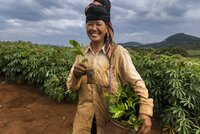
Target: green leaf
77	48
77	52
118	114
75	44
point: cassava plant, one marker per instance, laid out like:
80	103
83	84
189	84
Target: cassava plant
45	67
174	84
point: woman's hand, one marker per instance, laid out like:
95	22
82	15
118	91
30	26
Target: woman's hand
79	70
146	126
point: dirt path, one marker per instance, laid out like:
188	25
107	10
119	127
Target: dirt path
23	110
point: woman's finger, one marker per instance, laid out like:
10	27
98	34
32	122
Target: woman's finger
79	67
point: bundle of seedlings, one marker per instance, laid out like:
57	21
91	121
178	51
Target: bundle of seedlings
124	108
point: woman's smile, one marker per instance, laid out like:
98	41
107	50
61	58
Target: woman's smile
94	34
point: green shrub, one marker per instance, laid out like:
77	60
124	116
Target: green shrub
43	66
174	83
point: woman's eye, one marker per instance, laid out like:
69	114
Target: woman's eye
98	24
89	24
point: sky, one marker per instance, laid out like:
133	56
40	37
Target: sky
55	22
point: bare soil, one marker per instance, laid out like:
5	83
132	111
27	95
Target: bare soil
24	110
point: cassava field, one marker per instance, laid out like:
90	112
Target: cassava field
34	98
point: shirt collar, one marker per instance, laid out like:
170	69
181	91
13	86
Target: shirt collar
89	48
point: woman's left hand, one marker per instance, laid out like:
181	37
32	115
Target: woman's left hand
146	126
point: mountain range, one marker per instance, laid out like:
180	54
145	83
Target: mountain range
177	40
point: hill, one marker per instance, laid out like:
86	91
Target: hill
181	38
177	40
131	44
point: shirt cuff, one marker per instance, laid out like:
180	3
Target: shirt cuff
74	83
147	108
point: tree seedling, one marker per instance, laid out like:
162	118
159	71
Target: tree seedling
78	50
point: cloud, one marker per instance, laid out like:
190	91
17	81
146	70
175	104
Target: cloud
63	24
14	23
154	9
193	14
142	37
55	22
155	19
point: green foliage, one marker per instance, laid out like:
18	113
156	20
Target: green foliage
194	53
124	107
172	51
174	83
43	66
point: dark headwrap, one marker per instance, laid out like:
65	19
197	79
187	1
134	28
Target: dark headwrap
98	10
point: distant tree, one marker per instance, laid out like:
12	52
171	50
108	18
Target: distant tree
172	51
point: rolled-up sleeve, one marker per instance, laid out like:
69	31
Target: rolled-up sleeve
129	75
72	82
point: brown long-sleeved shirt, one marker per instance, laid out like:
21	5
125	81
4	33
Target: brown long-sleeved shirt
91	99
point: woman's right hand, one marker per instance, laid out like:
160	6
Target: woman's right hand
79	70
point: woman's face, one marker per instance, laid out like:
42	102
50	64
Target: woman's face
96	30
